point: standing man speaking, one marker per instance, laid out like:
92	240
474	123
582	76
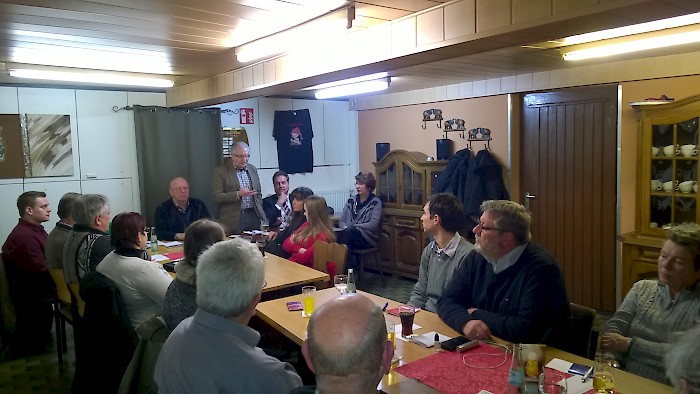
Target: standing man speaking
235	187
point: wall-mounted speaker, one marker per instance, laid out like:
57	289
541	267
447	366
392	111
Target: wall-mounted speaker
444	149
382	150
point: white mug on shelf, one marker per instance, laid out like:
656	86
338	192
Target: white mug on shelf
688	150
669	186
685	187
669	150
654	151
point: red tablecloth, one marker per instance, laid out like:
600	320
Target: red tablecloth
447	372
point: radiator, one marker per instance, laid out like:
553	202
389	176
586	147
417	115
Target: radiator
335	199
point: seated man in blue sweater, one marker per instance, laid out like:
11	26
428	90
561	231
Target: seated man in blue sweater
175	214
508	287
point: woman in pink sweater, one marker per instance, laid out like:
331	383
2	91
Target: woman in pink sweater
317	228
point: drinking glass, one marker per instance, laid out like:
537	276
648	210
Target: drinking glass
341	283
309	293
391	332
552	382
603	374
407	313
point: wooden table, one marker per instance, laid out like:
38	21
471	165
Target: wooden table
293	326
279	272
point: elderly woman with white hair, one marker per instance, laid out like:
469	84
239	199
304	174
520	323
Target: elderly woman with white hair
656	311
683	363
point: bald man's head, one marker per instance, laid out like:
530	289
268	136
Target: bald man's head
347	336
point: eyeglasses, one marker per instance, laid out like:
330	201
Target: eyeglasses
181	188
484	228
264	283
242	156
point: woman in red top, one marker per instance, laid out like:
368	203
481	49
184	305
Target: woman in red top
317	228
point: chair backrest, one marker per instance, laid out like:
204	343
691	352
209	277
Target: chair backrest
61	287
325	252
581	330
75	293
9	318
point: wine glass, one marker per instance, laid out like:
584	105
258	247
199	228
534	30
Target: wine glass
341	283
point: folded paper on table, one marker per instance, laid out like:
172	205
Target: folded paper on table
398	331
170	244
574	383
427	339
447	372
159	257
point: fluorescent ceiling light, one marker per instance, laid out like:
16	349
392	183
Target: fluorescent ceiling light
96	78
683	20
354	89
348	81
138	61
633	45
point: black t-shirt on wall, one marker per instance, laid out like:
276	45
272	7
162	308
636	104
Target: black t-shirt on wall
293	133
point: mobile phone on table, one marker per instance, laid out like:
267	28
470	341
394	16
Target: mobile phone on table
458	344
294	306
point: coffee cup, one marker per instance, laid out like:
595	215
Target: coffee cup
654	151
685	187
655	185
669	186
669	150
688	150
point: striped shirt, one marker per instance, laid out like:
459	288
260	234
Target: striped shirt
653	319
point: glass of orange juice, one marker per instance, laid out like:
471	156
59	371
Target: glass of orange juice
309	294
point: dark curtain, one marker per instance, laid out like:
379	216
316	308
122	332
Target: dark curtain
172	142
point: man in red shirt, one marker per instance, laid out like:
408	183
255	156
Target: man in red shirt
30	283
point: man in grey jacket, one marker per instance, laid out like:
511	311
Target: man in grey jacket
443	217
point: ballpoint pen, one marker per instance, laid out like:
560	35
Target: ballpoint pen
587	375
385	306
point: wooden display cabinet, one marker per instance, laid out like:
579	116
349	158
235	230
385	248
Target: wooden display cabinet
404	183
666	183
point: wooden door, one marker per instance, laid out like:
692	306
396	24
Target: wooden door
568	163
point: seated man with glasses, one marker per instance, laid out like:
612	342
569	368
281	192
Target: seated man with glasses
174	215
508	287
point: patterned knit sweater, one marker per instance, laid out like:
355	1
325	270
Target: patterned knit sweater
652	319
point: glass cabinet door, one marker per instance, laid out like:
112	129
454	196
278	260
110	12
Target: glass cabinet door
389	185
412	186
674	174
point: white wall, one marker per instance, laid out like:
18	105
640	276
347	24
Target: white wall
334	142
104	147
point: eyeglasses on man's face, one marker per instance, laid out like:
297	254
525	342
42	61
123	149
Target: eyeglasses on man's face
243	156
181	188
483	227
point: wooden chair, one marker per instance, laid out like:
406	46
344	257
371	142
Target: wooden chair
63	311
359	256
581	339
325	252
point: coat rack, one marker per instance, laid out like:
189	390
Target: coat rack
478	134
432	115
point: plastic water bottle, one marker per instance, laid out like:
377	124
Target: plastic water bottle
351	282
154	240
